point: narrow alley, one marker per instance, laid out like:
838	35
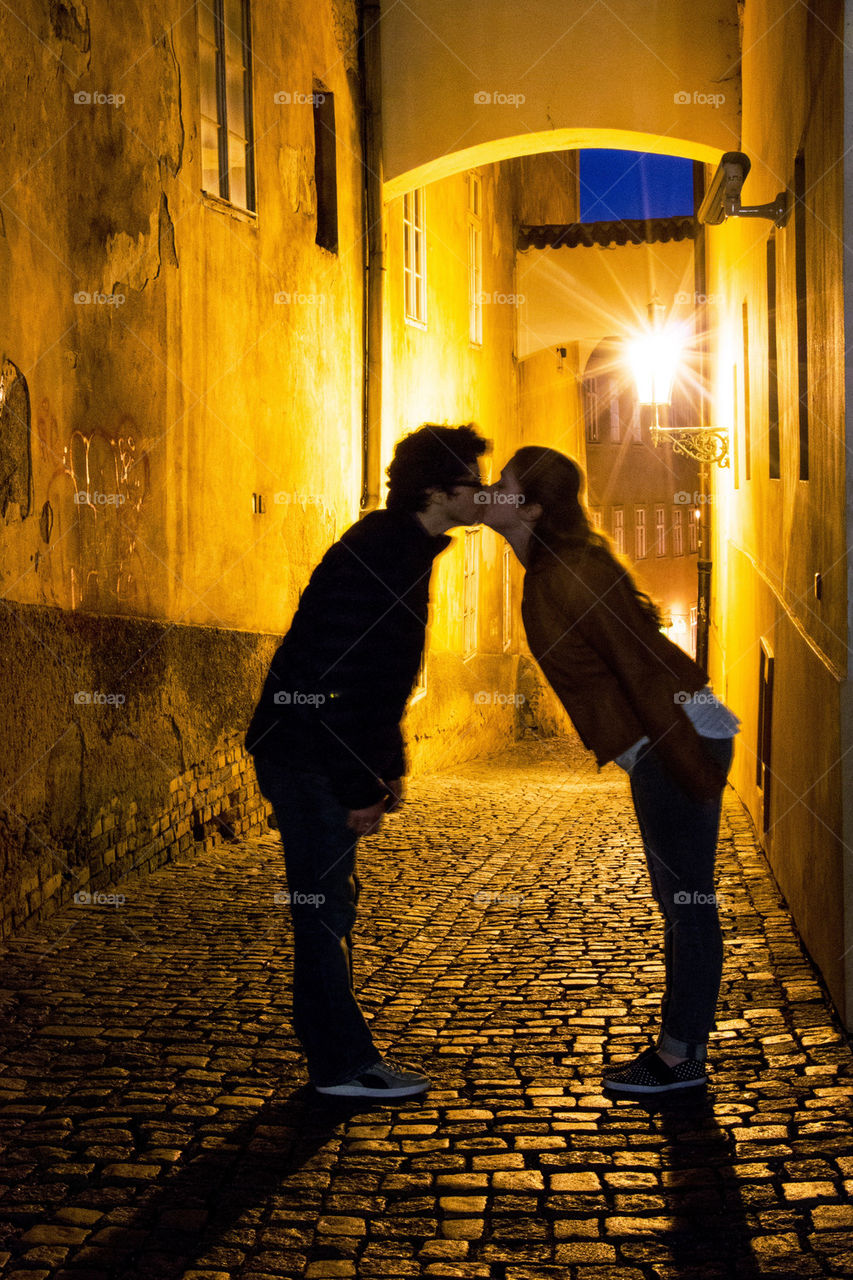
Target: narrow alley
158	1121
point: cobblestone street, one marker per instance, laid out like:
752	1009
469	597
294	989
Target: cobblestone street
158	1123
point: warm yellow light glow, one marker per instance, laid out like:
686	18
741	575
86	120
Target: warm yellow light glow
532	143
654	362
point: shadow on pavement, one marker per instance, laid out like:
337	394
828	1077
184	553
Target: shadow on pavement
707	1233
233	1184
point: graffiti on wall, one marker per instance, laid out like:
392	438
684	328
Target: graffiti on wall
95	499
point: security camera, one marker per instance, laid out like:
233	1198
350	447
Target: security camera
723	195
722	199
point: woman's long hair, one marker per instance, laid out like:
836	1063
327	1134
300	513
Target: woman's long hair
556	482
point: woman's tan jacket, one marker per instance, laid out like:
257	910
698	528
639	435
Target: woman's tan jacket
616	674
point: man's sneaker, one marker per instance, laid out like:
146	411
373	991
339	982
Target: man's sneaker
649	1074
384	1079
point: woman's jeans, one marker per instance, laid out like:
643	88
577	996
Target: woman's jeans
319	857
680	840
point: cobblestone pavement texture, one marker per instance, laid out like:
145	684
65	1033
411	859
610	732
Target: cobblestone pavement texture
158	1123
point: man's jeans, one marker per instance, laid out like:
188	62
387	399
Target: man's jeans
680	840
319	857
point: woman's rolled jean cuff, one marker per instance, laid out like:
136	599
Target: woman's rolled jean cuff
682	1048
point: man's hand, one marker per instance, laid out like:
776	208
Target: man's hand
365	822
394	801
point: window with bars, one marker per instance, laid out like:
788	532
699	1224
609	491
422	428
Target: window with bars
677	531
225	80
414	257
619	529
660	531
475	259
639	533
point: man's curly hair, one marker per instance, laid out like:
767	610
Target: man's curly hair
433	457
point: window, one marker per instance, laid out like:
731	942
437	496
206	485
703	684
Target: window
414	257
677	531
590	397
772	365
747	442
693	530
639	533
595	517
619	529
325	169
225	79
763	775
475	260
615	421
694	626
660	531
506	599
802	315
734	434
470	592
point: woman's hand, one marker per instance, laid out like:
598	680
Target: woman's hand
394	800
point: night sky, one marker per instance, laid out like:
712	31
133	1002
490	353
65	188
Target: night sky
634	184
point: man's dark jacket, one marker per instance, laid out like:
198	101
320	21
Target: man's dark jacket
338	684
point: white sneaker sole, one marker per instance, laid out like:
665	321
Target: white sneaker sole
654	1088
364	1091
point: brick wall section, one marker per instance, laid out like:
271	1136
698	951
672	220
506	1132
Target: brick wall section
91	794
209	804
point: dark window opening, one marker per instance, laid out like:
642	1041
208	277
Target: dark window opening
802	321
325	169
763	774
772	366
747	440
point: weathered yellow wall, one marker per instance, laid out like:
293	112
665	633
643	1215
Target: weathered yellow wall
273	347
772	536
194	387
180	390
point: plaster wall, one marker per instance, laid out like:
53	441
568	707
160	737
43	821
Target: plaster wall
468	83
773	535
433	373
175	364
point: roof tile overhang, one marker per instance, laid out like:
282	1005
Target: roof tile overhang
587	234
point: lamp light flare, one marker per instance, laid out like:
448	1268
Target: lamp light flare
654	359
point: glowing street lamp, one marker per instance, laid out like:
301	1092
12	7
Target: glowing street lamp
654	357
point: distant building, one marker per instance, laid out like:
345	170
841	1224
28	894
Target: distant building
643	497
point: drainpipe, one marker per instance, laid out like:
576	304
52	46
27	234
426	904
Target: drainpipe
374	265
